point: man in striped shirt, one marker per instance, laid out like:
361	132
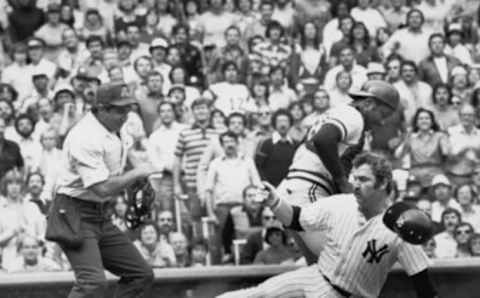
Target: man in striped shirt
359	251
191	145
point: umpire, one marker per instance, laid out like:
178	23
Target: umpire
92	173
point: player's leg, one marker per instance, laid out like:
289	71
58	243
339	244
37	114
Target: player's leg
122	258
287	285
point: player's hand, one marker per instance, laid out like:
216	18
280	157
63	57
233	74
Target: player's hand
269	194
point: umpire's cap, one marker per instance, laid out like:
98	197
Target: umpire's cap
379	90
114	94
410	223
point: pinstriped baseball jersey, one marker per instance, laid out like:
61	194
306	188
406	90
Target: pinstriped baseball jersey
358	253
306	162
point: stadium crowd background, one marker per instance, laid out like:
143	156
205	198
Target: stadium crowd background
226	91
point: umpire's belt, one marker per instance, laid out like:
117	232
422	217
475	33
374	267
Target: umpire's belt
319	179
341	291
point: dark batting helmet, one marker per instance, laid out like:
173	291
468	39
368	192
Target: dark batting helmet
380	90
411	224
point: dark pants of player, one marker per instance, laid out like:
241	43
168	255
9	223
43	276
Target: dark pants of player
105	246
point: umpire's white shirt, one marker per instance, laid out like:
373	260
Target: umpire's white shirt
91	154
359	253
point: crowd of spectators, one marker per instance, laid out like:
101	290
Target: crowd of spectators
226	91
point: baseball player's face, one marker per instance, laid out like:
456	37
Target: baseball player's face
365	189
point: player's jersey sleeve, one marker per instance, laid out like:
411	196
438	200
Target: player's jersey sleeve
349	121
412	258
317	216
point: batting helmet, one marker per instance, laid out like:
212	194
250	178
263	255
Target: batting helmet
380	90
410	223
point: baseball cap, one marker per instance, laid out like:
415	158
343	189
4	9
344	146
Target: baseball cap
374	68
35	42
440	179
115	94
64	88
455	28
158	43
379	90
459	70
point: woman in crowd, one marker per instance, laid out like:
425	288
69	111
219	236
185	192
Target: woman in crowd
157	253
218	121
151	30
310	60
463	232
360	41
19	217
426	147
297	131
119	211
466	197
446	114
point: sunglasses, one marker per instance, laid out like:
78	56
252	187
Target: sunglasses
466	232
165	219
263	113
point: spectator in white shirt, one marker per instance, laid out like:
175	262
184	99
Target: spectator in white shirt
466	197
214	22
396	14
73	54
456	46
284	13
410	42
280	96
347	63
51	31
48	164
38	62
442	196
30	257
158	50
229	95
19	73
161	147
157	253
371	17
414	94
30	147
446	244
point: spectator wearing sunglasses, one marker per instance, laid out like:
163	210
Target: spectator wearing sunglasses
463	232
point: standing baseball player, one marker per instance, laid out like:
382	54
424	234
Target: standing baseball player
320	165
92	175
360	248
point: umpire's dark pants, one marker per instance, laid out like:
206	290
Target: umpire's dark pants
106	247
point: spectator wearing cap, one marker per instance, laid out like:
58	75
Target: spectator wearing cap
376	71
442	195
10	156
72	55
24	20
51	31
277	252
465	144
158	51
446	244
190	56
229	95
149	98
38	61
461	90
426	147
347	63
18	74
414	93
162	143
410	42
437	67
443	108
455	45
368	15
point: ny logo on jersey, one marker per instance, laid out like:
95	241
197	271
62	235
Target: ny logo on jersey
374	254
